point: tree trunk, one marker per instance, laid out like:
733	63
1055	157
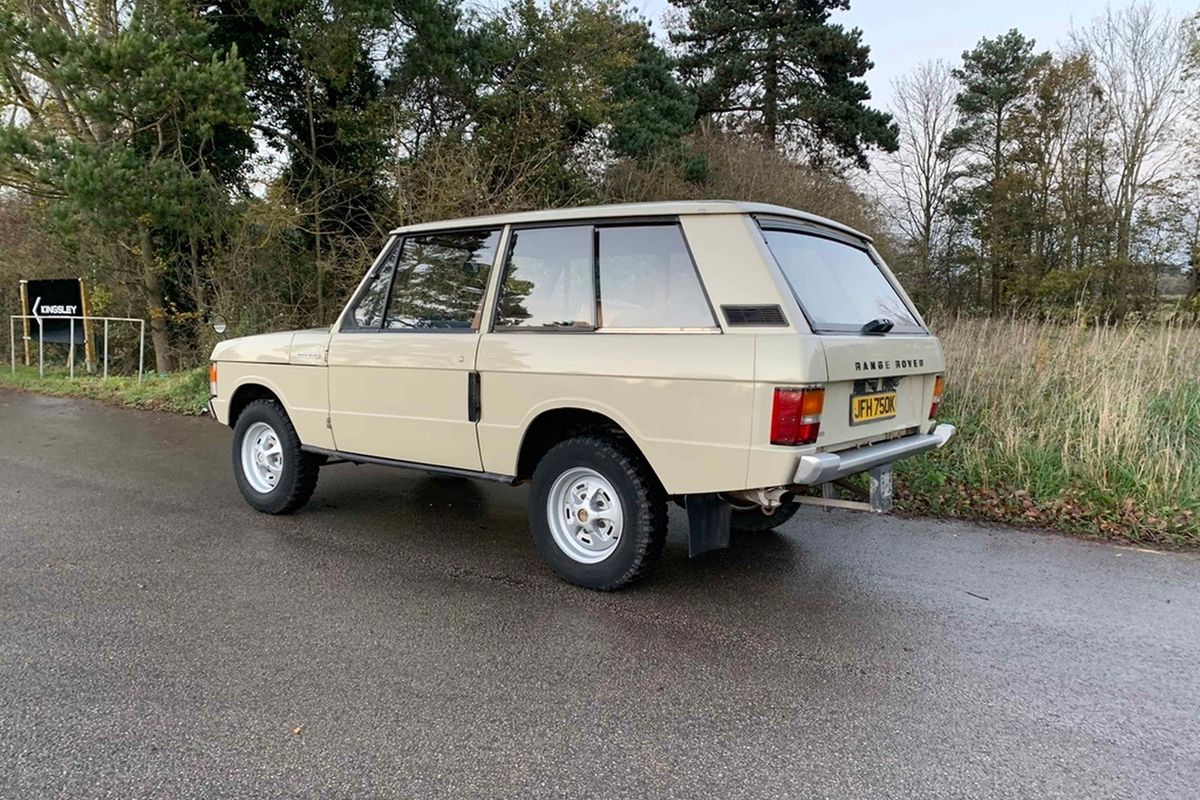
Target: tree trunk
994	203
771	93
152	289
197	281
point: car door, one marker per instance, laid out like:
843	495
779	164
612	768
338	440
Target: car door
401	364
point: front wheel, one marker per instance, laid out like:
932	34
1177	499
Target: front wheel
273	473
597	513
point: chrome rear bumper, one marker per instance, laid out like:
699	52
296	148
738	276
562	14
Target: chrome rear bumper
824	467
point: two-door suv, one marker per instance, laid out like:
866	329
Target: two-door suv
723	355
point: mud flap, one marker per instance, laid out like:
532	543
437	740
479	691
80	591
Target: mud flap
708	523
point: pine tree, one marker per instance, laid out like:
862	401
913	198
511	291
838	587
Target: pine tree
783	66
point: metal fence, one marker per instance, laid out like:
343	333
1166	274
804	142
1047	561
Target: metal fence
12	335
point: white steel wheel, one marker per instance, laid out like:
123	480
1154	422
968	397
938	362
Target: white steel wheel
584	515
262	457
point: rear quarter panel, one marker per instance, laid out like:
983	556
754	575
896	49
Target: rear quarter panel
686	399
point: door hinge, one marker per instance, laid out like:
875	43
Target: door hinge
328	423
473	407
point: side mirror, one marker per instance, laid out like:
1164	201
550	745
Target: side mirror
219	325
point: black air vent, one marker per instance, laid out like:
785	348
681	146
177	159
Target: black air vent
753	315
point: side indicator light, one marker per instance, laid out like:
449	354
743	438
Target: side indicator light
938	384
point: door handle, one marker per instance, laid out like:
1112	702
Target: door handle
473	403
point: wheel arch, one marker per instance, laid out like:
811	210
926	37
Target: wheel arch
552	425
247	392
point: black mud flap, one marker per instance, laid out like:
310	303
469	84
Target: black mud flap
708	523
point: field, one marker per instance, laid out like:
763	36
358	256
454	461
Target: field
1087	430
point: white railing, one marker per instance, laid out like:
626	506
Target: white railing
12	337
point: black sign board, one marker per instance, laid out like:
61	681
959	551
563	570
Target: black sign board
50	301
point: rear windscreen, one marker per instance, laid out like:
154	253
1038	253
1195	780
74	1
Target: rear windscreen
839	286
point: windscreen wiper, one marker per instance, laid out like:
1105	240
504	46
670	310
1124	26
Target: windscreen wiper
878	326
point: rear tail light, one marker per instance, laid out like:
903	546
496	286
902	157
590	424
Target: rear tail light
796	415
212	379
938	383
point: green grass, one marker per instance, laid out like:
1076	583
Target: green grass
184	392
1090	431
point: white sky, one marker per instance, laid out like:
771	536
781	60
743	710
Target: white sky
902	34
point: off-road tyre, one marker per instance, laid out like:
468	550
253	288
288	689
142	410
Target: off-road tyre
753	520
298	477
643	505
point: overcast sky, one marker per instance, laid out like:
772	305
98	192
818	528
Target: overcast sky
902	34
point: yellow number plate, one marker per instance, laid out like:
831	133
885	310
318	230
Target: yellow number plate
872	407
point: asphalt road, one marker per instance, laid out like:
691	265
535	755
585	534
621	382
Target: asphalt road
400	637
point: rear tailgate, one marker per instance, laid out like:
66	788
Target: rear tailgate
881	361
890	377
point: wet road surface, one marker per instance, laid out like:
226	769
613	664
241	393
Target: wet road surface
400	637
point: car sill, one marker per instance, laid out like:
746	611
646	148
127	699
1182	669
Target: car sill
358	458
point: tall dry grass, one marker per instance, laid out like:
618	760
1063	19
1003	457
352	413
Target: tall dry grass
1109	416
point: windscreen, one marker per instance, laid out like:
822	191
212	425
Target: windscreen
838	285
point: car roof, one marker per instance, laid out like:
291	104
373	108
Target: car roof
616	210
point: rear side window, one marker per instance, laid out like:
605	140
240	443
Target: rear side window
548	281
644	274
648	280
440	281
839	285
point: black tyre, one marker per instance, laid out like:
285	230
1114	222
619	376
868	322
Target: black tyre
597	513
273	473
753	520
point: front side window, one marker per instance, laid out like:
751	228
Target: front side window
440	282
648	281
548	280
838	284
368	311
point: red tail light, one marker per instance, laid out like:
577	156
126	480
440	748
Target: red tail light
796	416
938	384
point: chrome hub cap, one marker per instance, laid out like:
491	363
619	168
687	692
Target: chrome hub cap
585	516
262	457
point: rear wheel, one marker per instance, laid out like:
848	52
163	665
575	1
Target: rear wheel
597	513
754	520
273	473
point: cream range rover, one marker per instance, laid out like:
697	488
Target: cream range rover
723	355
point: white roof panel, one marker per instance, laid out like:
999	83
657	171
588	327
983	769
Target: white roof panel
669	208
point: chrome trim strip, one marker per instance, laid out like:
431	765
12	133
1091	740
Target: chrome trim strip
824	467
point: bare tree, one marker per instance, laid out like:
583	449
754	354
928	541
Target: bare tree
919	175
1140	56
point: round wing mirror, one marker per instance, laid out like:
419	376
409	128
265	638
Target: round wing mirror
219	325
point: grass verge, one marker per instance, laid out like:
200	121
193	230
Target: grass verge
1086	430
184	392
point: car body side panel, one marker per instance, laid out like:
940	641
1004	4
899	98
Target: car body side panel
685	399
302	390
729	254
403	396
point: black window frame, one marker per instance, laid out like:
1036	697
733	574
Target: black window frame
832	234
348	324
596	224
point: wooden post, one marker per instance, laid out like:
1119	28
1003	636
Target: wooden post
25	317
